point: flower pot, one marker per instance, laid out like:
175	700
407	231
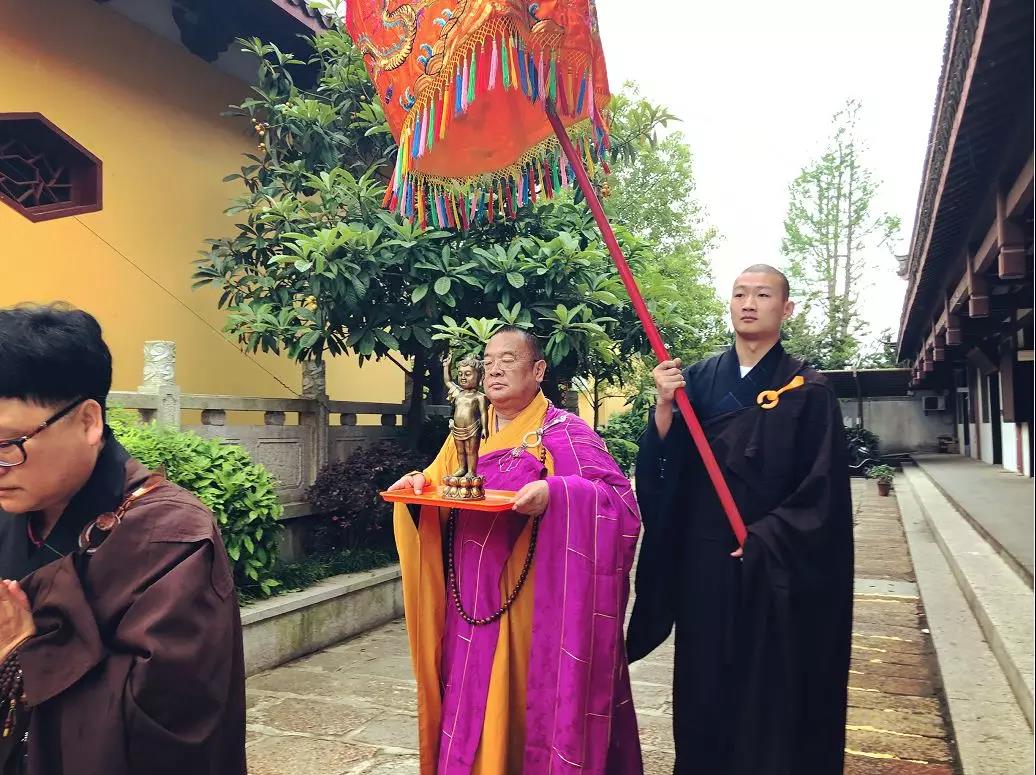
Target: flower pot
884	488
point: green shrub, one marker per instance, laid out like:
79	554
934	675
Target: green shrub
621	434
299	575
881	473
434	431
859	438
241	494
346	494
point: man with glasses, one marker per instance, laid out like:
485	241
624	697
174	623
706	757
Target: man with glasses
121	643
515	618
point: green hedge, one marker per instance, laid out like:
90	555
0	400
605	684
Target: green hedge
621	434
241	494
346	494
299	575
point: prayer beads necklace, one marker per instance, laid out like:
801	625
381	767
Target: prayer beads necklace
11	690
451	567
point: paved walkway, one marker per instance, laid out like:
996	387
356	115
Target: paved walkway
996	502
351	708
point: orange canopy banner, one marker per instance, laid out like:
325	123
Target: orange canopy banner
465	85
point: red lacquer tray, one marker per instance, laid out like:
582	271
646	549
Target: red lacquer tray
495	500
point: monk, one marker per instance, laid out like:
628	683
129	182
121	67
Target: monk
488	595
762	631
120	636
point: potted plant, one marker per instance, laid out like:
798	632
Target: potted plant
883	475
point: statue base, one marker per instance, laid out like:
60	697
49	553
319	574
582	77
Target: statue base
464	488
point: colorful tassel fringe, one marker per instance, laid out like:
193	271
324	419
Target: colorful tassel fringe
500	61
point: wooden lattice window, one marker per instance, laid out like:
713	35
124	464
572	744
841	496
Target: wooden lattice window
44	173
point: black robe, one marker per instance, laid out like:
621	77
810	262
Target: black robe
762	645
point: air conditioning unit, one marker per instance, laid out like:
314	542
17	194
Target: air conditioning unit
933	404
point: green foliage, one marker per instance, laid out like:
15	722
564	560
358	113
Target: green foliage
292	577
858	437
817	343
312	268
240	493
882	354
652	193
621	433
434	431
317	267
634	124
830	231
882	473
652	185
346	493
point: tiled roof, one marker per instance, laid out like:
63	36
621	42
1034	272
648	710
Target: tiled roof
318	19
988	65
868	383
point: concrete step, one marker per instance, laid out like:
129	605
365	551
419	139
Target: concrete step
970	486
1001	602
991	733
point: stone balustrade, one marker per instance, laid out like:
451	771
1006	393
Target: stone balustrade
293	451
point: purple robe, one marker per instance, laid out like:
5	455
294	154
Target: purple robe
579	710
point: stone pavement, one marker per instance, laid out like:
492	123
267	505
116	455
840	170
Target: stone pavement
897	723
351	709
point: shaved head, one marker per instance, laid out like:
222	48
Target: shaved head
759	303
767	269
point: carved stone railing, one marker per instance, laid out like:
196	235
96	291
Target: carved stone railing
294	453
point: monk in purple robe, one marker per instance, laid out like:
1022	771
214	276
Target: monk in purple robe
515	618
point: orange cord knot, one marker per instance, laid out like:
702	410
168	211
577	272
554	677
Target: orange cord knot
768	399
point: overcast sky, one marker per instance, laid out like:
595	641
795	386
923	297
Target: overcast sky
755	85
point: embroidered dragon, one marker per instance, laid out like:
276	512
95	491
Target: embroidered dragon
404	18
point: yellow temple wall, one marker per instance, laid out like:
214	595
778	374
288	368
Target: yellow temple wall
151	111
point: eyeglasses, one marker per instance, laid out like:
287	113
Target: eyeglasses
504	363
12	451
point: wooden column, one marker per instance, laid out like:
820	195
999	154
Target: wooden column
939	348
978	290
1007	398
954	336
1011	258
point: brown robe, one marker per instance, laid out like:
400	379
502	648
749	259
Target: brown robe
137	665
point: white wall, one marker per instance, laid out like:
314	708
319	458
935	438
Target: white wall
902	426
900	422
983	429
986	431
1023	429
1009	438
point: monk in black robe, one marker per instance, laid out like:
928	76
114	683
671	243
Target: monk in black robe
762	631
120	636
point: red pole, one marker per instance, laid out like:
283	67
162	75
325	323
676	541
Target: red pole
661	352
